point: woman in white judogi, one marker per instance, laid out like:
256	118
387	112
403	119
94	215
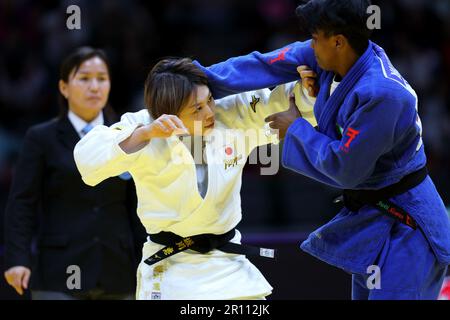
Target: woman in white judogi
176	194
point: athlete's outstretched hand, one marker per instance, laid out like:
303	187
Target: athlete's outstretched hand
282	120
309	80
163	127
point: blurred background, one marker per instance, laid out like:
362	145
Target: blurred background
278	210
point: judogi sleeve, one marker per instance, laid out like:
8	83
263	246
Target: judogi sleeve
98	155
247	111
370	132
259	70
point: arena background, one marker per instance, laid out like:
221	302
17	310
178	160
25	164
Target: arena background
279	211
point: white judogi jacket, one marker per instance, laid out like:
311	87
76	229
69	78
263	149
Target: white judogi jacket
168	197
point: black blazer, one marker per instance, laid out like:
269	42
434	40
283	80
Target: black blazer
91	227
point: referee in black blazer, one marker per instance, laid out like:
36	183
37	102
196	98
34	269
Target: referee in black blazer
88	238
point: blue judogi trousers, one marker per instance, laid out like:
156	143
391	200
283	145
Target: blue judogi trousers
407	271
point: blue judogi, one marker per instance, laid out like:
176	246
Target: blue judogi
368	137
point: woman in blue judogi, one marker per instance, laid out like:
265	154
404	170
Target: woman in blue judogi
367	142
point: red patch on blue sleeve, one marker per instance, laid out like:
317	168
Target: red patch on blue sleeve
281	56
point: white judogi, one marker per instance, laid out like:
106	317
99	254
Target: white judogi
168	197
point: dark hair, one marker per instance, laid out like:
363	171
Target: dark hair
333	17
72	63
169	85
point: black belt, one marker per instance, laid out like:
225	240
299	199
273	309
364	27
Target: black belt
355	199
202	243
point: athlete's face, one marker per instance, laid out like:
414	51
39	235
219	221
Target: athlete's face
88	88
198	113
325	50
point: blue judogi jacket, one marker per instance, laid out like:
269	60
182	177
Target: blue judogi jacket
368	137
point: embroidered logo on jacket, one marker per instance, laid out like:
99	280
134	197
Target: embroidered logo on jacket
351	133
254	102
231	158
281	56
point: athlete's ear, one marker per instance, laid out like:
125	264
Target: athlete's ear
340	41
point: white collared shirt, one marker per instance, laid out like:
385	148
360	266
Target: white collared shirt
79	123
